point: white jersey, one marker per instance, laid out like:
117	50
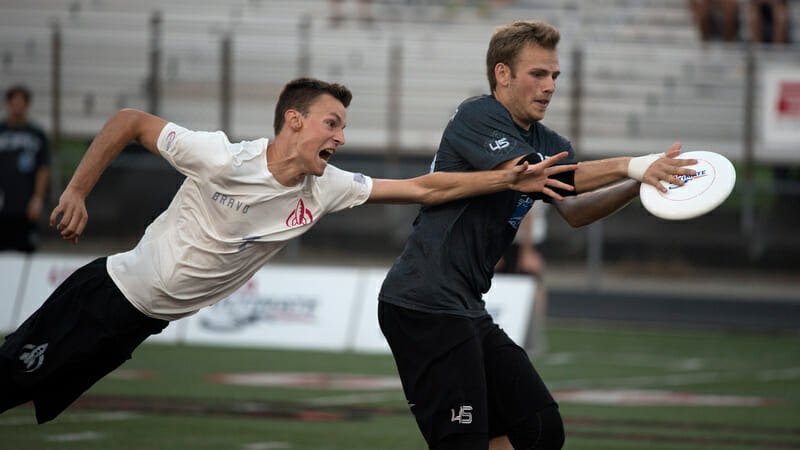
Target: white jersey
227	219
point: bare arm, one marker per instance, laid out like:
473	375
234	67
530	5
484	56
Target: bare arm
588	207
123	127
591	175
441	187
602	200
34	209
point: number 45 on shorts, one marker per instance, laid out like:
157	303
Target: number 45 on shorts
464	416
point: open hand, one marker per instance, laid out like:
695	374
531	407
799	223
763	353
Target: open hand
669	169
535	177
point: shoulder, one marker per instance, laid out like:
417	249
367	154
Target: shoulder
334	174
481	107
35	129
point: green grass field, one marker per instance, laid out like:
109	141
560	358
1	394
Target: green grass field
618	388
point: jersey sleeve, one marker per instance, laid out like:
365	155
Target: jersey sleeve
484	135
341	189
193	153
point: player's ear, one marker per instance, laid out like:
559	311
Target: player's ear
293	119
502	73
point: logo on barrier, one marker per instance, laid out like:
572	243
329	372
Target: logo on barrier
248	307
33	357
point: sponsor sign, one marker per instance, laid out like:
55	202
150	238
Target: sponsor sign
281	306
509	301
45	274
780	113
12	266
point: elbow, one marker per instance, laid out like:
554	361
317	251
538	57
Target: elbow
430	199
576	217
577	222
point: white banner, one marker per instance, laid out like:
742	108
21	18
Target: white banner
299	307
12	270
509	301
780	113
46	273
282	306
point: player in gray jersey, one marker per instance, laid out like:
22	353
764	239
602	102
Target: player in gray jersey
468	385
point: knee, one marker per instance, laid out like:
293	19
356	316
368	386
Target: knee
544	431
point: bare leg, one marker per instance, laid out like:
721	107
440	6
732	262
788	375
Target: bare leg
500	443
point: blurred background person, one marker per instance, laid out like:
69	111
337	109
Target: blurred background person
716	19
769	21
24	172
336	16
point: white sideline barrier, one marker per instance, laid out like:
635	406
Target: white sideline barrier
45	274
282	306
510	302
12	271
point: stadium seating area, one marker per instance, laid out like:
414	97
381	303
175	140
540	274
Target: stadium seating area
646	81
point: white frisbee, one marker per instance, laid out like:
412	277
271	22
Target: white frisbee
700	194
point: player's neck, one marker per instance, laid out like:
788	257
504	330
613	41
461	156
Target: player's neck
283	164
16	121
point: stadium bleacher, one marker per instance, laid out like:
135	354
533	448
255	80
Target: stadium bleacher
646	81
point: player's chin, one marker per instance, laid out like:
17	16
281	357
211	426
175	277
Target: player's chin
320	169
538	115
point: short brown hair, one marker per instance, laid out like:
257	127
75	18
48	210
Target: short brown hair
301	93
18	90
509	40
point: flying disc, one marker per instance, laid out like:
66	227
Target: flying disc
701	193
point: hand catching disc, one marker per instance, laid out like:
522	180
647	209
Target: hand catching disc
700	194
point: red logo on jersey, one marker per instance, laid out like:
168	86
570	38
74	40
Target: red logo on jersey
300	216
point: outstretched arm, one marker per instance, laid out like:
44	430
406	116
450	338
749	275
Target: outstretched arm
588	207
441	187
606	199
123	127
650	169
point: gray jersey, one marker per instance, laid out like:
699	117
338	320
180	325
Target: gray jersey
448	262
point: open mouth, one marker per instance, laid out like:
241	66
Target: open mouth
325	154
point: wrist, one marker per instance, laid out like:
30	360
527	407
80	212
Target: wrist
510	177
638	165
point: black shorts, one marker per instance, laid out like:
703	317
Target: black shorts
84	330
461	375
18	234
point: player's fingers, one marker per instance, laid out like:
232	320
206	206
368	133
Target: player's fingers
674	150
560	169
73	233
559	184
54	215
549	192
553	159
66	216
680	162
70	224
